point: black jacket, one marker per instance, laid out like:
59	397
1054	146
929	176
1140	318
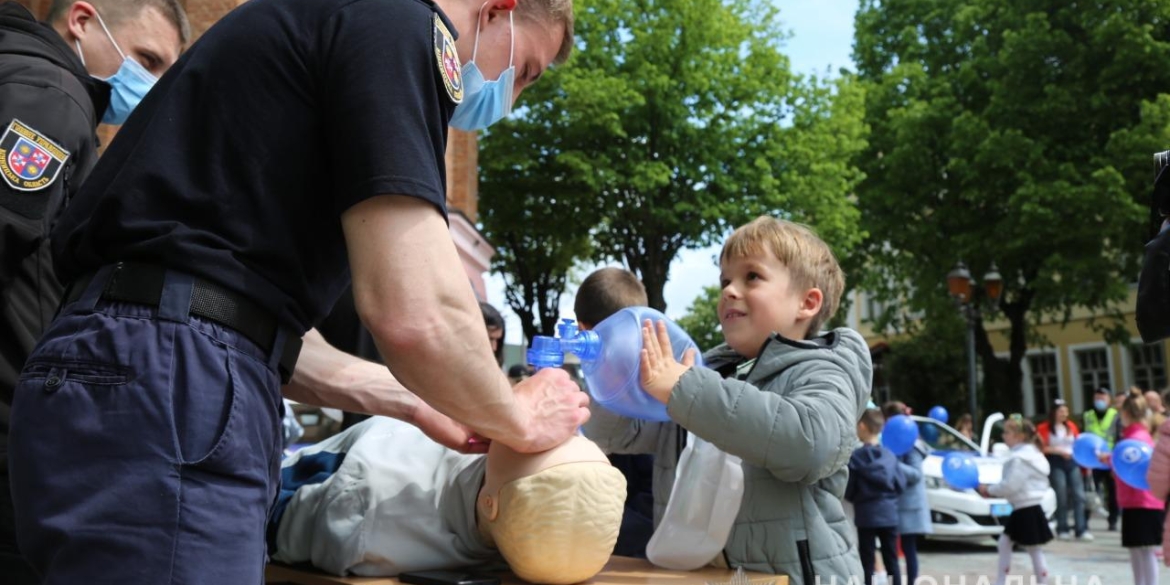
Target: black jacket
46	90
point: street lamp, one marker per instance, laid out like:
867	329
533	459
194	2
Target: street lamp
961	285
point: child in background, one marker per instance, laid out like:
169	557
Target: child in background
1159	478
780	394
605	292
913	508
1023	484
1141	512
875	482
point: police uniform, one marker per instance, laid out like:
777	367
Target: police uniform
205	243
49	109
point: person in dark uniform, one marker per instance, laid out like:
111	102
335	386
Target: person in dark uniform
296	144
55	86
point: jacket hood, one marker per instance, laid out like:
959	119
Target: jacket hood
21	34
876	467
1029	454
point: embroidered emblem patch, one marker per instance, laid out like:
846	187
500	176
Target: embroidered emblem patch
28	160
448	60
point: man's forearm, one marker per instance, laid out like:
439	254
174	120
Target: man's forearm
327	376
412	294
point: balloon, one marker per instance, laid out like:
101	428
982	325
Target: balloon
899	434
940	414
1086	448
929	433
1131	460
960	471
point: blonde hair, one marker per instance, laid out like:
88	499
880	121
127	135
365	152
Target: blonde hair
551	12
810	262
1135	408
1023	427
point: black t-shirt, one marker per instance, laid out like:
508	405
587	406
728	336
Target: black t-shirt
238	164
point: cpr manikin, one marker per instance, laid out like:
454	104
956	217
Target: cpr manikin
554	516
392	501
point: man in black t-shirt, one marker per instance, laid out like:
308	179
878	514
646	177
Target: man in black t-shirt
297	143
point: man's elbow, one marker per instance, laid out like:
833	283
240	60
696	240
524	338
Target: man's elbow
410	335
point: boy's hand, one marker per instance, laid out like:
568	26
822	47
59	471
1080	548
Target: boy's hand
660	372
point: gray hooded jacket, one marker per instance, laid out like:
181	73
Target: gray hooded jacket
793	421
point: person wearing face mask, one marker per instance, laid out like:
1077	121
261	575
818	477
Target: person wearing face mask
297	148
1100	421
58	79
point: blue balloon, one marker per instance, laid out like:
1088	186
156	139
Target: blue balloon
899	434
1131	461
960	471
929	433
940	414
1086	448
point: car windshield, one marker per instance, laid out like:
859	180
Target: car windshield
941	437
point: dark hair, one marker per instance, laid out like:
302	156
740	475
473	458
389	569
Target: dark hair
872	420
1056	404
605	292
492	319
893	408
116	12
965	418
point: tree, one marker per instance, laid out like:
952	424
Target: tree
676	120
701	321
1009	131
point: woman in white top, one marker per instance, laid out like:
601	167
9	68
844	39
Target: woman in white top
1057	435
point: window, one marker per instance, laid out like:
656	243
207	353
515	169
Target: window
1045	383
1093	369
1149	366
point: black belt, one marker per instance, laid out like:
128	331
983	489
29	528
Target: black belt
143	284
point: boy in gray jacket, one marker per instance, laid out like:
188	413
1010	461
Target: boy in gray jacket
777	394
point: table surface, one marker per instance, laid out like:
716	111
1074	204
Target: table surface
619	571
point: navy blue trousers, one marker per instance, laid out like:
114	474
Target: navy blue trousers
145	446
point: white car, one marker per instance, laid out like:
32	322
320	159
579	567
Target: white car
965	514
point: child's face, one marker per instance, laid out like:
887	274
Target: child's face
758	299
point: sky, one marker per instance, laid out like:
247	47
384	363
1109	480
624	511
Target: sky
821	42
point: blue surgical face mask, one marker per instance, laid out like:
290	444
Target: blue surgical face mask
1100	404
485	102
128	85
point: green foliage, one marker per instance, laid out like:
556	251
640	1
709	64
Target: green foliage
702	319
673	122
1019	132
928	369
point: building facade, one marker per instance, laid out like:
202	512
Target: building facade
1072	364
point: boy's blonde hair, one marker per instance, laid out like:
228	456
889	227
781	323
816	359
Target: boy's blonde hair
810	262
552	12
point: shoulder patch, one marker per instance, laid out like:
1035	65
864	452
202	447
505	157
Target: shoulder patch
28	160
448	60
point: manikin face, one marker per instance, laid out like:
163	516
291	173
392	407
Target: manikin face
758	299
555	515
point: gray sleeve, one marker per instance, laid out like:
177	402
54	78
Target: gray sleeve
803	436
615	433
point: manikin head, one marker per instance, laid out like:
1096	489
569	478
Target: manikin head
554	516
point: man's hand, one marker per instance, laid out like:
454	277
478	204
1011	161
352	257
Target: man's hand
445	431
551	407
660	372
